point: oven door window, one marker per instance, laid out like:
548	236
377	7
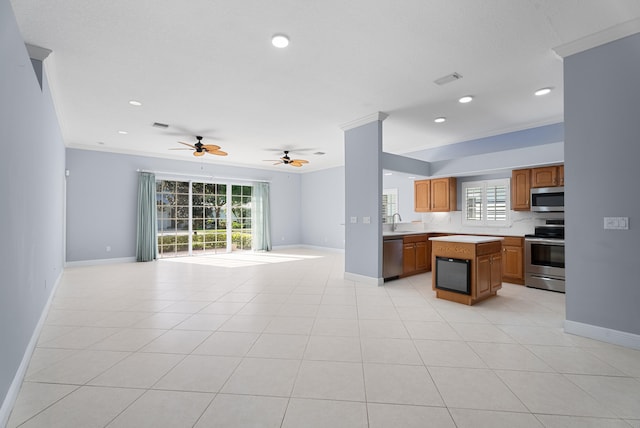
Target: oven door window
547	255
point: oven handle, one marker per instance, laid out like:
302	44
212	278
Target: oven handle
545	278
546	241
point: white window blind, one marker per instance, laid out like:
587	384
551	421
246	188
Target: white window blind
389	204
486	203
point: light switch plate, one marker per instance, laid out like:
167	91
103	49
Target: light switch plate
616	223
366	220
354	219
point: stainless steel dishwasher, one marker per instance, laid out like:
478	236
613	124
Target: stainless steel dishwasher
391	258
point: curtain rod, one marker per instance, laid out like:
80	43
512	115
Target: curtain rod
202	176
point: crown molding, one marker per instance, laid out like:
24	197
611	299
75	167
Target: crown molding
607	35
378	116
36	52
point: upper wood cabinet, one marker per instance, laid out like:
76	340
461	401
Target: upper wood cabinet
422	195
437	195
520	189
560	175
523	180
545	176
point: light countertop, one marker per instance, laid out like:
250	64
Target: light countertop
405	232
467	239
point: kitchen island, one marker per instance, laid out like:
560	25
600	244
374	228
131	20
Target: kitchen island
466	268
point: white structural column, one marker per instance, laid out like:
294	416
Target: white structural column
363	193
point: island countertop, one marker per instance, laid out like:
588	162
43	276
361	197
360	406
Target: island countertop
467	239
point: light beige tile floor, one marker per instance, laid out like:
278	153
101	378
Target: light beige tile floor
282	340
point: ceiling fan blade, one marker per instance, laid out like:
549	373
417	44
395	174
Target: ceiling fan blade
187	144
196	153
210	147
300	161
218	153
181	149
297	165
278	163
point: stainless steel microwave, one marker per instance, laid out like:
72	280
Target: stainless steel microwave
547	199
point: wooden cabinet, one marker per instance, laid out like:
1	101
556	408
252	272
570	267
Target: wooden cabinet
560	175
436	195
488	275
545	176
486	266
513	260
523	180
422	195
416	255
521	189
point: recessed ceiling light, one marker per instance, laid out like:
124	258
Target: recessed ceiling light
543	91
319	153
101	143
280	41
439	119
135	103
388	173
122	132
466	99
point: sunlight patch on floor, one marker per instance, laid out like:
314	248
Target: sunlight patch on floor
240	259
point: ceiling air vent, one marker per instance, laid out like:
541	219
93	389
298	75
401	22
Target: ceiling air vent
160	125
448	79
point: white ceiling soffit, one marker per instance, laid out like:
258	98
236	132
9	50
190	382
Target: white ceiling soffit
611	34
208	68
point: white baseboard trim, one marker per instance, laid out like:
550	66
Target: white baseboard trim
363	279
100	262
310	247
14	388
608	335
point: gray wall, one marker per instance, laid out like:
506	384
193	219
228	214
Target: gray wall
31	198
322	209
363	196
102	199
602	150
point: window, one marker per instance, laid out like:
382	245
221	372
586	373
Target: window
485	203
192	217
389	204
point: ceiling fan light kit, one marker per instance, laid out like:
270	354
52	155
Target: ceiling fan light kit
286	160
200	149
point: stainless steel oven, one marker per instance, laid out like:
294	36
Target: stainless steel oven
544	263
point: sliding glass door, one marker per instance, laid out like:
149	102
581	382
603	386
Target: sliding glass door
192	218
209	224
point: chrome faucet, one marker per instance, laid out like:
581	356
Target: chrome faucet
393	221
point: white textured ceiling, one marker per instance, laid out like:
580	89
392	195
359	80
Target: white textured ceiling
206	67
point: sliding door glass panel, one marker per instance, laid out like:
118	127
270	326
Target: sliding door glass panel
241	217
172	203
209	205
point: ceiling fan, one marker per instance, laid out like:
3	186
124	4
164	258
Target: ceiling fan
200	149
286	160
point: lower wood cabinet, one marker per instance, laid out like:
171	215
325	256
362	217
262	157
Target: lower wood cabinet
513	260
416	254
488	275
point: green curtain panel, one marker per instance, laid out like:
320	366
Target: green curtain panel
146	248
261	228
